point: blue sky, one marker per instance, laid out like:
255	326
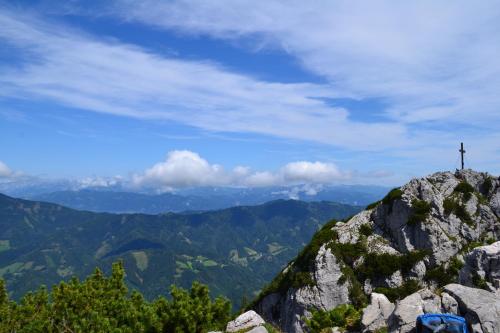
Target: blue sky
171	94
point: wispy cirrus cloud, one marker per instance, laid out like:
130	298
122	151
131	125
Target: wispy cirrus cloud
72	68
431	61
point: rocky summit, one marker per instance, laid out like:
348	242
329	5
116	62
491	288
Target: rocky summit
430	246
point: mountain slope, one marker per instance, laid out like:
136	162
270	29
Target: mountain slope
235	251
423	236
202	199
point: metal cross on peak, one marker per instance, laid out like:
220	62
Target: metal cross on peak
462	152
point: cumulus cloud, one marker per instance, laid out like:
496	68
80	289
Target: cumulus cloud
5	171
183	168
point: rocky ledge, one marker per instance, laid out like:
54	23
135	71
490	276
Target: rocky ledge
428	246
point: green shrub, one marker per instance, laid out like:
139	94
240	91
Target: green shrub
463	215
479	281
452	206
298	275
469	246
103	304
490	240
308	254
344	316
366	229
443	276
385	264
420	212
487	185
356	293
449	205
466	189
394	194
393	294
348	252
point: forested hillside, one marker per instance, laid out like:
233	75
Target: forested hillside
235	251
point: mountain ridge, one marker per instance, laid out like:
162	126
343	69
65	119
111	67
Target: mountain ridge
391	260
234	250
201	199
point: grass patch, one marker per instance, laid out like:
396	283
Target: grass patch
12	268
345	316
141	260
420	212
393	294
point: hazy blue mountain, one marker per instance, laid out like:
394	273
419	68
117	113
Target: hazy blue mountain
235	251
204	198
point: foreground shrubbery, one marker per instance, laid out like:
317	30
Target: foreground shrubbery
344	316
103	304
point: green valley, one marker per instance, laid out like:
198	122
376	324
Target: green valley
234	251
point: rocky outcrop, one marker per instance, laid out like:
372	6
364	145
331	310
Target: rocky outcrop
482	268
479	307
376	314
246	321
287	312
418	235
402	320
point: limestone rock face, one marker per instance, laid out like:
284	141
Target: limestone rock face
454	218
483	263
287	312
480	307
258	329
376	314
405	314
245	321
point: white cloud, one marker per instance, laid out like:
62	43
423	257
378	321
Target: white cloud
74	69
98	181
429	60
311	172
183	168
5	171
436	66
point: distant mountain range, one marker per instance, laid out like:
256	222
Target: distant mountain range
202	199
235	251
